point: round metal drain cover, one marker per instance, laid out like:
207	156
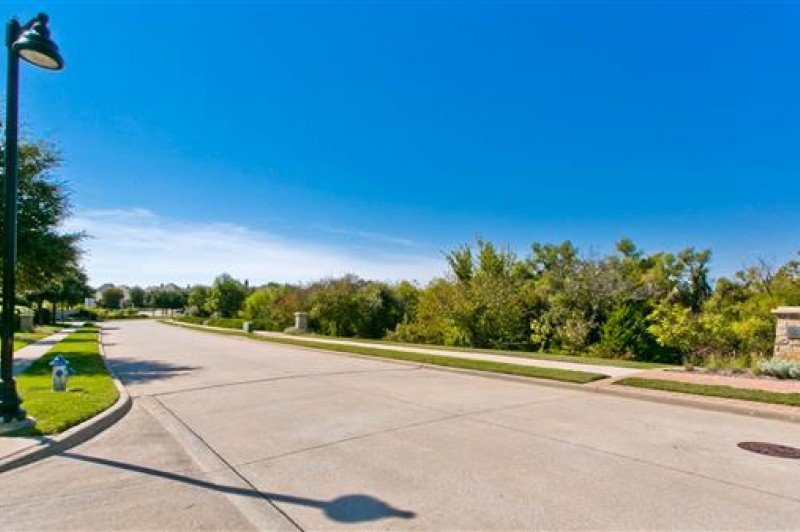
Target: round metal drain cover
770	449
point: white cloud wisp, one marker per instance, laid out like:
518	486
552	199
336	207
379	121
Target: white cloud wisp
139	247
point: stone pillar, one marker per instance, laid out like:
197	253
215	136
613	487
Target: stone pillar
301	321
787	332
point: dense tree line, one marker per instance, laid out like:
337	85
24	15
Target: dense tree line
627	304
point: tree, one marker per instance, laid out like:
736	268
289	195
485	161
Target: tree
111	298
197	300
137	295
166	297
226	296
625	333
44	253
695	288
273	305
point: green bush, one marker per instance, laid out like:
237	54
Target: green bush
625	334
195	320
87	314
225	323
781	368
44	316
126	316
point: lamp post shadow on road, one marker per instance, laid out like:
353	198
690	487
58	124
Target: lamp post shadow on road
32	43
351	508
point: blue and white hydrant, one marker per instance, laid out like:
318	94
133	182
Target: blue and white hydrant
61	371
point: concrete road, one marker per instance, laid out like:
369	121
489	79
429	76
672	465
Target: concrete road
232	433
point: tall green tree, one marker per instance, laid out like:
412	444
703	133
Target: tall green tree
137	295
111	297
226	296
197	300
44	252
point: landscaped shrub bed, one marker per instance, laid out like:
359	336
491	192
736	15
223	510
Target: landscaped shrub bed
227	323
195	320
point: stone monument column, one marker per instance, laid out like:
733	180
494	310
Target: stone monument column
301	321
787	332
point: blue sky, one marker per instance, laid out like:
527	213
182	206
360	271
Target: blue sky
288	141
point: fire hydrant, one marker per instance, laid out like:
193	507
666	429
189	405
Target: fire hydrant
61	371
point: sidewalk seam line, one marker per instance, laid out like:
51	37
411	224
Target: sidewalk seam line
227	464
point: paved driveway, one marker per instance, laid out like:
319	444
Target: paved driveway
292	437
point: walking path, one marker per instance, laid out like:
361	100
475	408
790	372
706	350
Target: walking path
611	371
31	353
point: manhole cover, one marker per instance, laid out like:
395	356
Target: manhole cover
770	449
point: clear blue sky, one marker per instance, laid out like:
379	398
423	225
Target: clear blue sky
290	140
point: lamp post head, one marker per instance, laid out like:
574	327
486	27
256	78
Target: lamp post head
35	46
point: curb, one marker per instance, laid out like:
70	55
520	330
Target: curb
605	386
78	434
770	411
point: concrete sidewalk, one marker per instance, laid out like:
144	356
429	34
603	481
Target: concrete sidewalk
30	353
611	371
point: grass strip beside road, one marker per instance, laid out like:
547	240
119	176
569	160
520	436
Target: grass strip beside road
713	390
533	355
90	391
577	377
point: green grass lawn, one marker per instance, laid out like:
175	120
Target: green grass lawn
713	390
578	377
21	339
89	392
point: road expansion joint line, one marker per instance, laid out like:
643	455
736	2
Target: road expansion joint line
403	400
242	493
629	458
450	416
348	440
269	379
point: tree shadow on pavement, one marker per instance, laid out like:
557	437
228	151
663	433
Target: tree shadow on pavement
138	371
354	508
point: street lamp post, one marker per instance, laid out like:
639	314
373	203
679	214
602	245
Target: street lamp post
32	43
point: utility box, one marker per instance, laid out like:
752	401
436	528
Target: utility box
26	322
247	327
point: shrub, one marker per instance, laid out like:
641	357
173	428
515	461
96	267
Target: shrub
228	323
44	316
195	320
781	368
625	334
87	314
